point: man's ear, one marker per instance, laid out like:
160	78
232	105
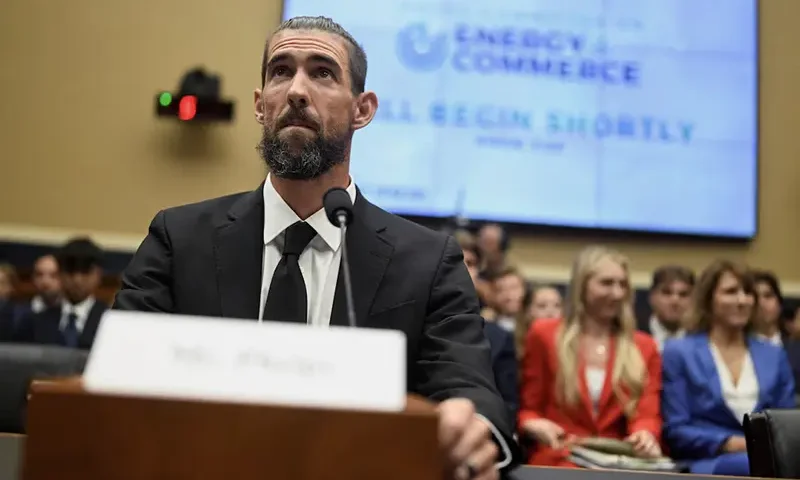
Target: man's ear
258	106
365	108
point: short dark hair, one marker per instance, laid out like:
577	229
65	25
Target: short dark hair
765	276
467	243
79	255
672	273
358	58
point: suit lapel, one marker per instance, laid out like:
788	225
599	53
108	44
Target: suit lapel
712	375
587	406
369	254
763	368
608	405
239	255
89	331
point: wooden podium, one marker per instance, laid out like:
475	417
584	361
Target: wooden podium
76	435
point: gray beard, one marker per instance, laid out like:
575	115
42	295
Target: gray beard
315	159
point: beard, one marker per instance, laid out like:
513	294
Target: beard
315	158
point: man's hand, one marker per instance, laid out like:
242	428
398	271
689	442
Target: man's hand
466	441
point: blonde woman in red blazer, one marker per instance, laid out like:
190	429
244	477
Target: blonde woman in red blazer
591	374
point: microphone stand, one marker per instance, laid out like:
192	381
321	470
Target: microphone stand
348	286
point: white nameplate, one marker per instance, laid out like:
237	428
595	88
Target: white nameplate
157	355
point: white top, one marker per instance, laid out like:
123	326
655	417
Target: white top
661	334
741	398
81	311
595	380
319	262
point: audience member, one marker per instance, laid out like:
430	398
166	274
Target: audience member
719	372
546	302
9	312
510	290
47	284
767	321
504	358
670	293
504	366
493	245
538	303
592	373
74	322
792	322
472	259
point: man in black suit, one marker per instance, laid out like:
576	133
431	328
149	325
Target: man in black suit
501	341
271	254
74	322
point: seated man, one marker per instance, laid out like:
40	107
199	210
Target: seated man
670	293
74	322
271	253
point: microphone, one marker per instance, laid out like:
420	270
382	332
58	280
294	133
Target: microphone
339	210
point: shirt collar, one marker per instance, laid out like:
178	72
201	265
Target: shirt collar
659	331
775	339
80	309
278	216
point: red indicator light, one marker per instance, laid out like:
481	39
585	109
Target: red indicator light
187	108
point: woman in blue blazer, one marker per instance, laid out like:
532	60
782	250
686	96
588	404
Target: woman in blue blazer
719	372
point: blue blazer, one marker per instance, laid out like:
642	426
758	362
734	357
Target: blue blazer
696	419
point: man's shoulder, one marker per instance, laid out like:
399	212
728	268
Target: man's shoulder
406	232
207	207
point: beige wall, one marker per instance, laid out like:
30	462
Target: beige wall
78	83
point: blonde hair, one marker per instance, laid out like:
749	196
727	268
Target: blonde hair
628	369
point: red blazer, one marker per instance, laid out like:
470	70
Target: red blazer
539	367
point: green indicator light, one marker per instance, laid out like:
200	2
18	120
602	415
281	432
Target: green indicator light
165	99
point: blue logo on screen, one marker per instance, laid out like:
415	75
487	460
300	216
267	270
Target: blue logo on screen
419	50
496	50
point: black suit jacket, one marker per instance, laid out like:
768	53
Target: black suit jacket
206	259
793	353
8	321
504	364
43	328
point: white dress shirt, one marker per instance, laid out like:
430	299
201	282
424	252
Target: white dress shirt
776	339
661	334
37	304
81	311
319	264
742	397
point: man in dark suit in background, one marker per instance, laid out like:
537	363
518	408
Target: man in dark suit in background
670	292
271	254
74	322
501	341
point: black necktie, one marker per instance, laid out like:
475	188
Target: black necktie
286	301
70	331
